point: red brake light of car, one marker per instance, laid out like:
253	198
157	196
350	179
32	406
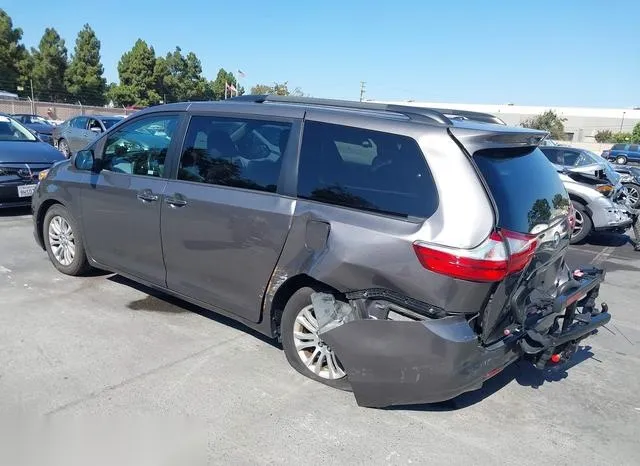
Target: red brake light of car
501	254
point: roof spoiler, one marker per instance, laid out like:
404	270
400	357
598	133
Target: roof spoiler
476	138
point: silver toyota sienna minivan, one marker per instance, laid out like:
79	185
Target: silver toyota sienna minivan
404	253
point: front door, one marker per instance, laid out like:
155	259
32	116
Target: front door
223	222
121	203
76	139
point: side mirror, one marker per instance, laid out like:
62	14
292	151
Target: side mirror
84	160
96	130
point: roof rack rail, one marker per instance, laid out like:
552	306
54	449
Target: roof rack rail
414	113
469	115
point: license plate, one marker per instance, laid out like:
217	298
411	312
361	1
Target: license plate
26	190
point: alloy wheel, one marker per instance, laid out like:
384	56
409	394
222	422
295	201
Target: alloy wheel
315	354
62	241
64	148
579	223
633	195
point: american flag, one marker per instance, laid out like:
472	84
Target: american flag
241	74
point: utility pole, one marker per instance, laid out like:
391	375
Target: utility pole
362	89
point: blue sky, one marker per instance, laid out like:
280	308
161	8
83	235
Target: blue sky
569	52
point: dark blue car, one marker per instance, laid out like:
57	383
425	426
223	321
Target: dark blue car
37	124
22	158
623	153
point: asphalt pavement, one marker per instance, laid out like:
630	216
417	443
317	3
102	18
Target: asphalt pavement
123	362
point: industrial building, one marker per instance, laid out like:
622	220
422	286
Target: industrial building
581	123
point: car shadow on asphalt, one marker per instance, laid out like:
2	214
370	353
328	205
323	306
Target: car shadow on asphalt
522	372
15	212
157	301
609	239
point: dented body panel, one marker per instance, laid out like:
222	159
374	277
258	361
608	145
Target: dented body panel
395	363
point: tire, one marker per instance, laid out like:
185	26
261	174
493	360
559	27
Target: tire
61	229
585	222
621	159
64	148
633	193
299	305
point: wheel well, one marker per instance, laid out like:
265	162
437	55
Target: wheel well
284	293
46	205
573	197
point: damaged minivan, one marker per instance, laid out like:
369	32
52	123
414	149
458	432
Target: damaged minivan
395	251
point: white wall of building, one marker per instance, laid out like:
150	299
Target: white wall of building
582	122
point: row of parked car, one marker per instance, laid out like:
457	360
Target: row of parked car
405	253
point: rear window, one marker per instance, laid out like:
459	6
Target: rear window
526	187
366	170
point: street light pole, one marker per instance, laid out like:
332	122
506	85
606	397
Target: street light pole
622	122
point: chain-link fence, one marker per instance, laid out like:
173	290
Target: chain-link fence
56	111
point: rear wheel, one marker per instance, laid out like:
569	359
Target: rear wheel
633	194
303	346
621	159
64	148
63	242
583	224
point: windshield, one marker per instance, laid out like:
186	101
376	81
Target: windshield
109	122
39	119
11	130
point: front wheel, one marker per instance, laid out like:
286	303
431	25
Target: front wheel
633	194
63	241
583	224
303	346
64	148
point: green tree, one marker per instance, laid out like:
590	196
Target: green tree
540	213
13	56
547	121
635	134
217	86
49	67
179	78
277	89
604	135
84	77
138	79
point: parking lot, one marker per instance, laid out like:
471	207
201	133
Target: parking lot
104	346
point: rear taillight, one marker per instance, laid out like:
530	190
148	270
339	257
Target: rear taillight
501	254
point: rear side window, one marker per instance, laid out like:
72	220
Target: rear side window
619	147
364	169
633	148
238	152
526	187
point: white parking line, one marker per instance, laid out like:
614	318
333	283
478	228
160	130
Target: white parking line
603	255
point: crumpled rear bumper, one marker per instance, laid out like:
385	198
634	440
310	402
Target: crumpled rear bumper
393	362
399	362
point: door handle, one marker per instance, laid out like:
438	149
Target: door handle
146	195
177	200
